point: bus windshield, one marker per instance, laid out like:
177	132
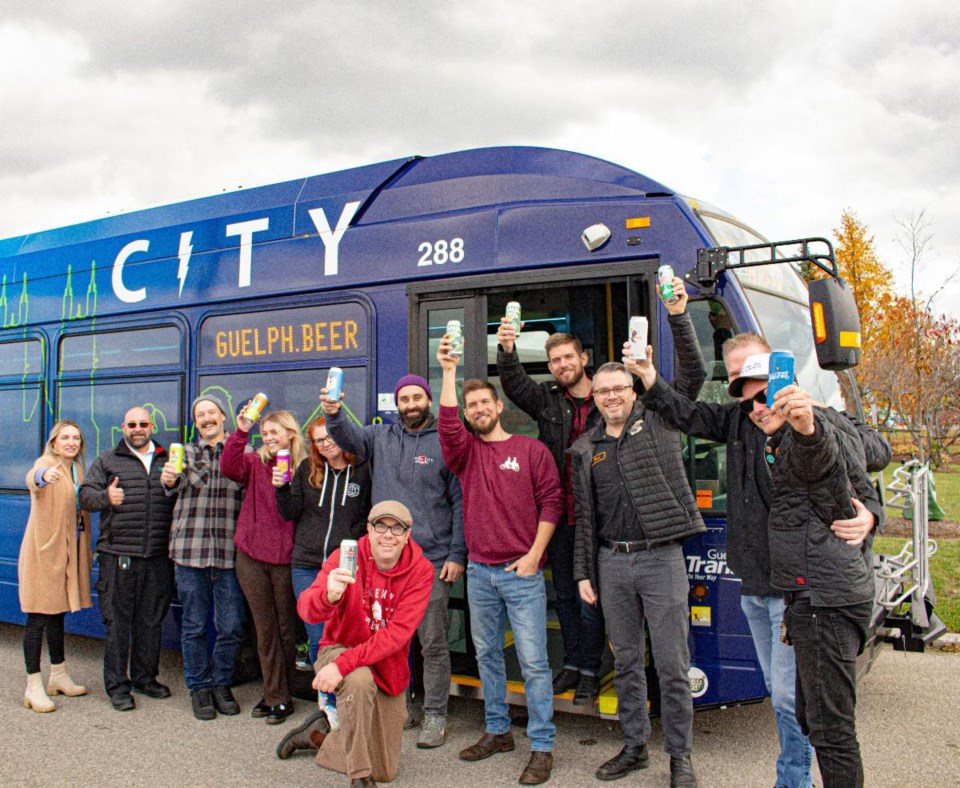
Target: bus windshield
778	298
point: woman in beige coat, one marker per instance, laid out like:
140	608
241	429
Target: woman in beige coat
55	561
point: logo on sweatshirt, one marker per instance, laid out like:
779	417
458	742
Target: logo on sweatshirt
510	464
353	490
422	459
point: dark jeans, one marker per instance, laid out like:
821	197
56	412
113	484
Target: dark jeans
650	586
826	642
133	602
199	589
33	639
581	625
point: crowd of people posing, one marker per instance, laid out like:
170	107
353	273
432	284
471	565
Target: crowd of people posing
602	495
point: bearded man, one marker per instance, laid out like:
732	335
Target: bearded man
407	466
512	503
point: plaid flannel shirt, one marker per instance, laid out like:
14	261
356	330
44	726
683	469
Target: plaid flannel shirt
205	516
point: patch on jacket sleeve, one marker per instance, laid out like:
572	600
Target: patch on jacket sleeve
598	458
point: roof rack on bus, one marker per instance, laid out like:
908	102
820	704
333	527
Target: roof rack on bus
714	261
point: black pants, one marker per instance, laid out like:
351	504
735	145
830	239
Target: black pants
33	639
133	603
826	642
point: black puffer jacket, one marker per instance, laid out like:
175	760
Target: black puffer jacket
649	457
814	478
140	526
749	488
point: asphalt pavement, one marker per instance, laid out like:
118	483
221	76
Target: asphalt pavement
907	718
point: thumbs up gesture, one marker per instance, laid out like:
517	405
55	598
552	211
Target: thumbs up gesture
115	492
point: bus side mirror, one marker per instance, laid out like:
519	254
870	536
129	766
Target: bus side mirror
836	324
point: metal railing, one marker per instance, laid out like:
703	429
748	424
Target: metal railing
904	577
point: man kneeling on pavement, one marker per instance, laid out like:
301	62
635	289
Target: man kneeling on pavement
370	620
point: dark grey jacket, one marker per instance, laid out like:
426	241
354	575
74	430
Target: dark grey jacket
814	478
408	466
749	487
140	526
649	457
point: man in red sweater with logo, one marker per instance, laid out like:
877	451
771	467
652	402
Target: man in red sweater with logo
511	505
370	620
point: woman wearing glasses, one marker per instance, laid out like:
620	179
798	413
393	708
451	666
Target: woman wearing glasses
55	561
264	542
328	500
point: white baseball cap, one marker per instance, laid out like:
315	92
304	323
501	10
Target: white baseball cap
754	368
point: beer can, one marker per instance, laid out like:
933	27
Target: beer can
455	335
256	407
283	464
176	456
334	383
781	373
513	315
665	282
638	330
348	556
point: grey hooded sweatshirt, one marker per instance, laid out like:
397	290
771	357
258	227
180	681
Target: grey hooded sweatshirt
407	466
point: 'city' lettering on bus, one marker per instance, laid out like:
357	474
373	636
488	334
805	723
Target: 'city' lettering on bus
245	231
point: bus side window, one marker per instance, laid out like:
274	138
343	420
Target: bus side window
706	460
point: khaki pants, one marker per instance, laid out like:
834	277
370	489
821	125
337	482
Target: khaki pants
371	726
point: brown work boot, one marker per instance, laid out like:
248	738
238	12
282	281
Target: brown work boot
538	769
308	736
489	744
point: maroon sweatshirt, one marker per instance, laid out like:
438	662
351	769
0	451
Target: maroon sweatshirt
509	488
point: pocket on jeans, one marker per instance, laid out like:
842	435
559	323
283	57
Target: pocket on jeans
846	636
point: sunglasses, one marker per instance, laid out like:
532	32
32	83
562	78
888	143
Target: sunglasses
396	529
132	425
746	405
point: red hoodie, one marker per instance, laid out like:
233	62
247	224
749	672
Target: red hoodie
377	615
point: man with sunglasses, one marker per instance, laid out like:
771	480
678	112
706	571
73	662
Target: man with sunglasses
370	618
135	582
406	465
634	509
750	493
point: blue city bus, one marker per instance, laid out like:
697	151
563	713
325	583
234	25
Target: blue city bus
265	289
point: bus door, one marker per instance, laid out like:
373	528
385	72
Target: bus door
592	304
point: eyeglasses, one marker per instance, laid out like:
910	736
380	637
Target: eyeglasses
617	391
132	425
323	441
396	529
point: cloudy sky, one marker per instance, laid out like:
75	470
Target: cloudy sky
782	113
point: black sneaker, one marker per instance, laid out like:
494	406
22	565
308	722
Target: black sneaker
279	713
224	701
202	702
566	680
587	690
262	709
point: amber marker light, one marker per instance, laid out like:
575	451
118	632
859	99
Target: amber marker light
819	323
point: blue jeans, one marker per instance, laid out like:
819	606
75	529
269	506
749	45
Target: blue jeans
198	589
303	578
581	625
494	597
765	617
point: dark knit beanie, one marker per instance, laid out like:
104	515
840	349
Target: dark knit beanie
412	380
